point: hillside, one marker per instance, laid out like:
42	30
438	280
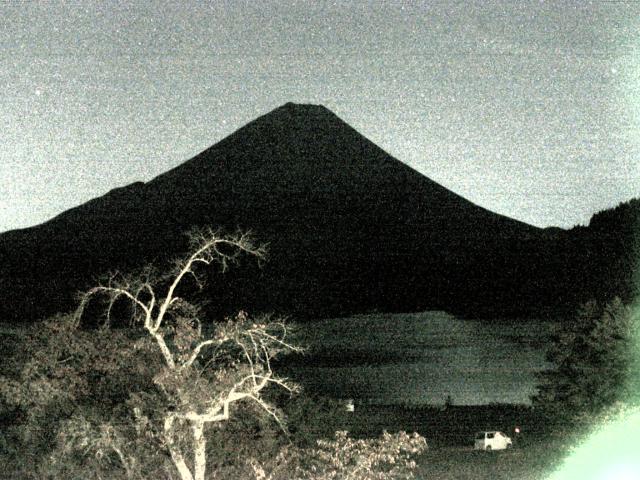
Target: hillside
350	229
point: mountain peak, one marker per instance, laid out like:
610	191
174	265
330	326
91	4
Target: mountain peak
303	107
302	110
350	228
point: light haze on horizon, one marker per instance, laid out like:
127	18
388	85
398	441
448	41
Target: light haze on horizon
529	109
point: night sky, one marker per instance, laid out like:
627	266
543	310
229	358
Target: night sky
530	109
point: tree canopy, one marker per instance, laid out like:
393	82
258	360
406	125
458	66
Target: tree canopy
592	358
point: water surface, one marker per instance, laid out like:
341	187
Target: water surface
422	358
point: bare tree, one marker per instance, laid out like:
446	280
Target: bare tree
206	367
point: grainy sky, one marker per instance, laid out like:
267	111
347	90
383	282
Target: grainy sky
530	109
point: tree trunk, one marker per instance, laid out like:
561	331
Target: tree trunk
181	466
176	455
199	448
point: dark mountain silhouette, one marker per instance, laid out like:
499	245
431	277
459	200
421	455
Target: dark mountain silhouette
605	255
349	228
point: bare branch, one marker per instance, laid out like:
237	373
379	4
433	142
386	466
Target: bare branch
199	347
207	249
113	293
200	394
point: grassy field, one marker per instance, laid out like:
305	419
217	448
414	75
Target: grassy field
449	434
533	462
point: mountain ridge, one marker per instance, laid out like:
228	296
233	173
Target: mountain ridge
351	229
287	109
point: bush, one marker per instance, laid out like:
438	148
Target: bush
392	456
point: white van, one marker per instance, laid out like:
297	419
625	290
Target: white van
491	441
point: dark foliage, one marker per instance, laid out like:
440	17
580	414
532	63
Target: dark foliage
593	355
607	255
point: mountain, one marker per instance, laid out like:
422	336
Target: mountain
349	229
605	255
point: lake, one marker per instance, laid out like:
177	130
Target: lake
421	358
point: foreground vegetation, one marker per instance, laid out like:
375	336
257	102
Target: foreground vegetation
539	450
169	394
172	395
252	446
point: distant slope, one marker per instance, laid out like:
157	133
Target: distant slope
604	257
349	228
